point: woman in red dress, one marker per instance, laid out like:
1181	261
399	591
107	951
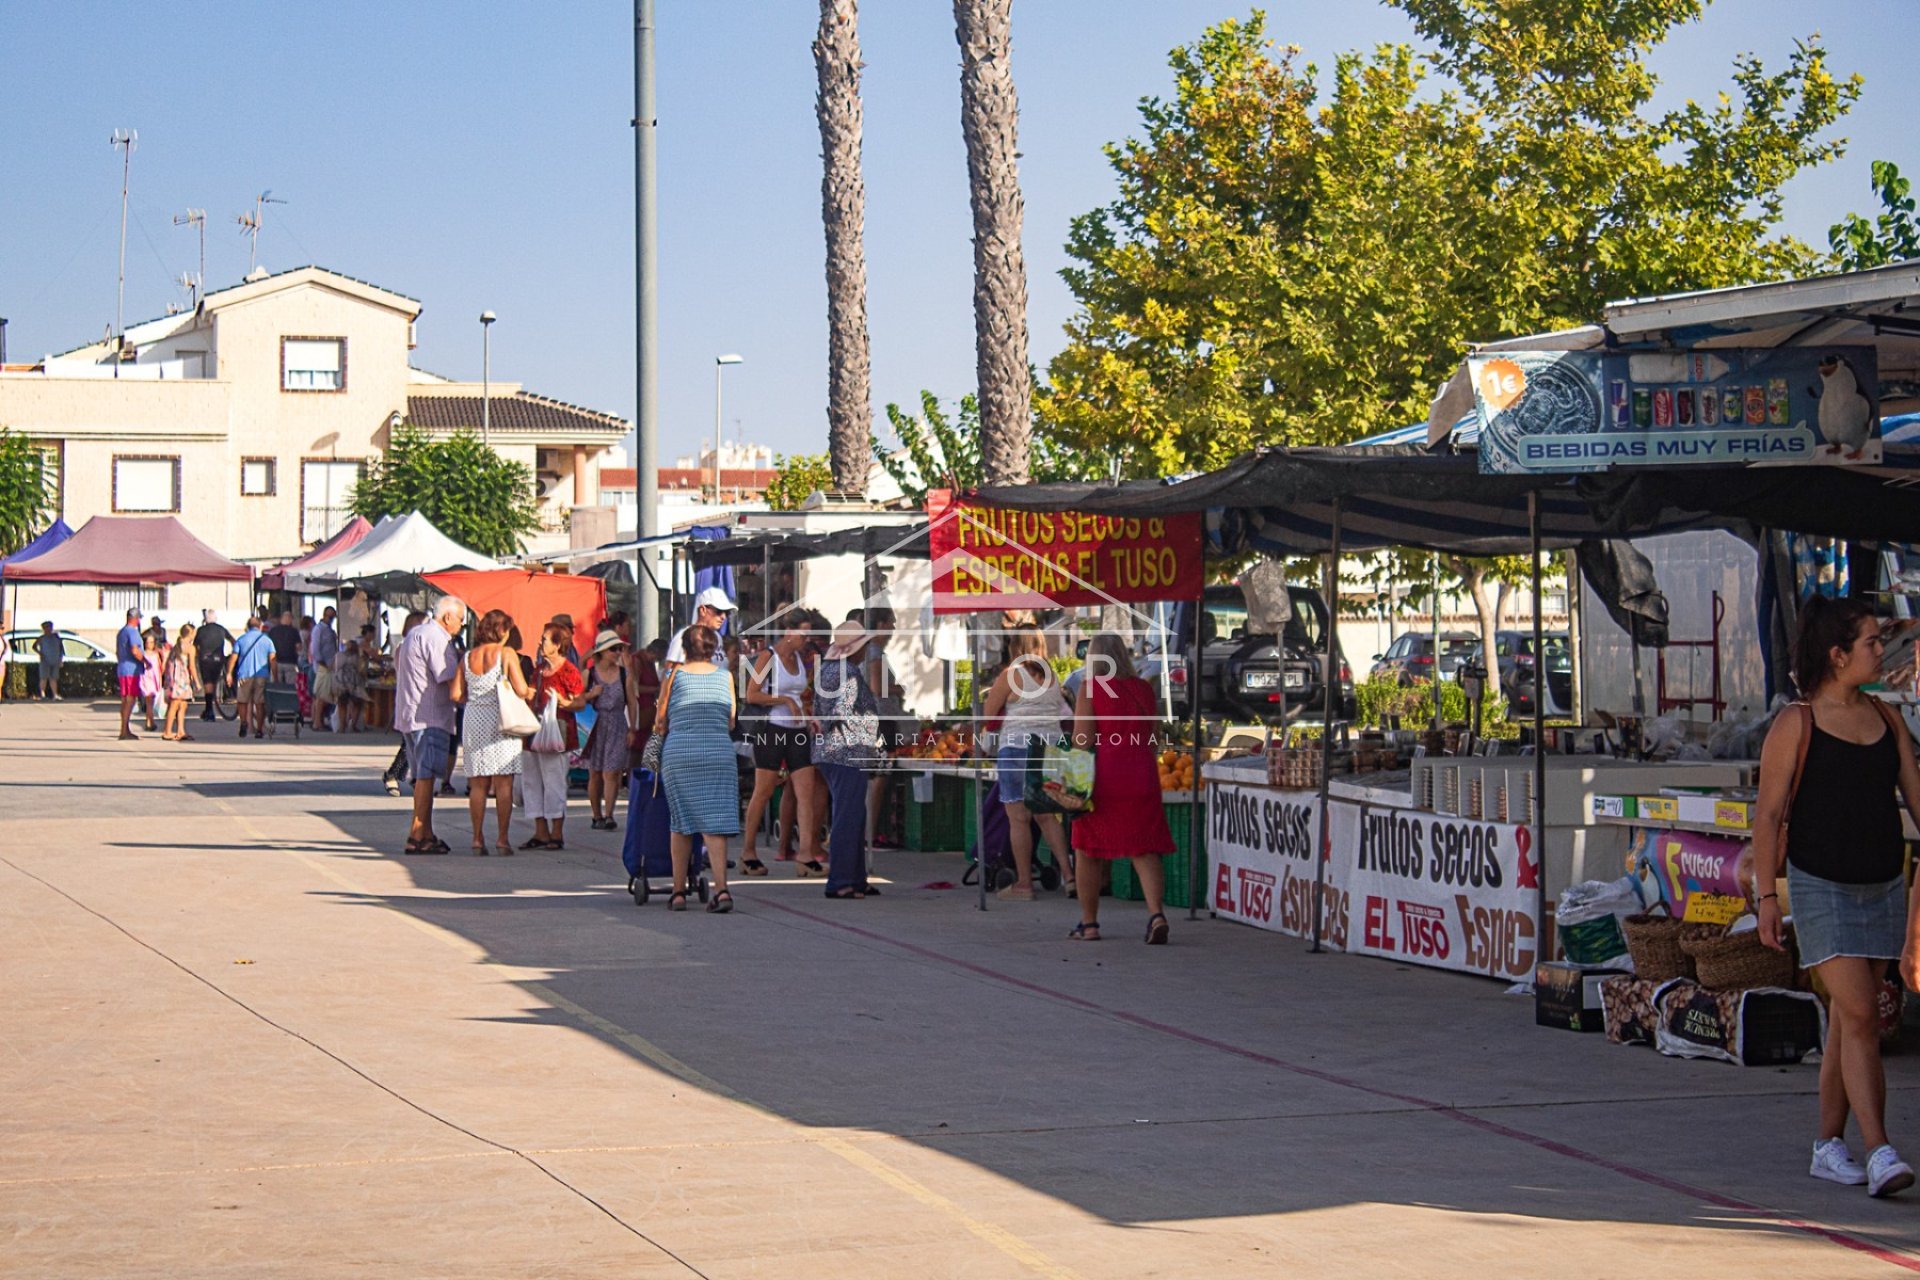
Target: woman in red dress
1115	715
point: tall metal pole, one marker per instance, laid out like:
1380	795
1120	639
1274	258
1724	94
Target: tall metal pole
1194	682
1330	678
486	377
646	301
718	369
125	140
1543	943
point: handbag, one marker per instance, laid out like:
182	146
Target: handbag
516	717
1059	778
548	739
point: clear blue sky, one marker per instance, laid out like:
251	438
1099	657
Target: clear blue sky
477	155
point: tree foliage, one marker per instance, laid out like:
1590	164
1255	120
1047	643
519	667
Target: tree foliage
473	495
26	491
1279	268
796	478
942	451
1892	236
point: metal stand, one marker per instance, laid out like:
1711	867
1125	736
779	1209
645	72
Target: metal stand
1330	680
1193	806
1544	944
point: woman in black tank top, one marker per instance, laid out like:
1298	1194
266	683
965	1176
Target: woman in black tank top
1832	775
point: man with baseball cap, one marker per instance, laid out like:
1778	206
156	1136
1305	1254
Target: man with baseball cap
130	662
710	609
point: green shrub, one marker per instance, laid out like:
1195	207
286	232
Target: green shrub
77	680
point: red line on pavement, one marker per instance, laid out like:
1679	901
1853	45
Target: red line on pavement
1818	1230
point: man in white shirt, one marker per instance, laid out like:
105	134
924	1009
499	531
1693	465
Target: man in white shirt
711	608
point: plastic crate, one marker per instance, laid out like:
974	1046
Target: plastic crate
946	825
1125	885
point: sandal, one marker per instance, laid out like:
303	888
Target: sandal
870	891
721	903
479	850
811	868
753	867
847	894
1084	932
534	842
1157	930
677	902
428	846
504	849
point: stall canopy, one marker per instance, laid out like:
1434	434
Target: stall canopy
129	550
350	536
1280	501
532	598
52	536
406	547
908	541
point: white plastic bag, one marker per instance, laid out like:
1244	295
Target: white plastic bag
1588	921
548	740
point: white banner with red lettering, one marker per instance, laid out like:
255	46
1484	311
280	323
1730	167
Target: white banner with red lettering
1453	893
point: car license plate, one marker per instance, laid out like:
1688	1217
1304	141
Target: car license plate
1260	679
1296	679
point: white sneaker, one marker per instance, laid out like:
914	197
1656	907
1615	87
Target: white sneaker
1832	1161
1887	1172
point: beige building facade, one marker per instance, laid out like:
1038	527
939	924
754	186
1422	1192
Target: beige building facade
251	418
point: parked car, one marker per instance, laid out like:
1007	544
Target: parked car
1246	676
1411	656
20	645
1514	649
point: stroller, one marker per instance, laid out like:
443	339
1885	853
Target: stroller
996	839
648	851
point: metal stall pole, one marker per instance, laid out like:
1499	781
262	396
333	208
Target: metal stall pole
1194	824
978	793
1544	944
1329	678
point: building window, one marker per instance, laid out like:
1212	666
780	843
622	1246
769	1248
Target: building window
53	472
326	487
117	600
143	485
257	477
313	364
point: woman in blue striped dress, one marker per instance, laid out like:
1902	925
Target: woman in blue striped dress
696	764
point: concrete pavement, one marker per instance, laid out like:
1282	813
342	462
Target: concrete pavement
241	1037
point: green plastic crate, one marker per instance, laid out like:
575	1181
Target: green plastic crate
1126	886
947	825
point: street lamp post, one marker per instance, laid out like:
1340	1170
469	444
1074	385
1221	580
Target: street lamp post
486	375
719	364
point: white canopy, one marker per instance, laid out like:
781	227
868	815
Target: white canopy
404	544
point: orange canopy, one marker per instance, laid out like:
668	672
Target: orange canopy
532	597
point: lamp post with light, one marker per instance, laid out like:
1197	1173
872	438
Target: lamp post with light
486	374
719	365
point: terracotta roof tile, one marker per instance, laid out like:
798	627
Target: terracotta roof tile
522	412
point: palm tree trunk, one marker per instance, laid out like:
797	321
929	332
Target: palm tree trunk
843	210
989	115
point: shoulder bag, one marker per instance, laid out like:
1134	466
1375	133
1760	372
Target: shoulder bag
516	717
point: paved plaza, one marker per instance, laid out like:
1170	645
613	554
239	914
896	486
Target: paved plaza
241	1037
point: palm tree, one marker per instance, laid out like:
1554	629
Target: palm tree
989	114
843	208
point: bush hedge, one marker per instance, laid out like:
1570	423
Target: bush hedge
77	680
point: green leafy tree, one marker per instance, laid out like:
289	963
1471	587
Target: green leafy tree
796	478
473	495
1278	268
26	491
1892	236
938	451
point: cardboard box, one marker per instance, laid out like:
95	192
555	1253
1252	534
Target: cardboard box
1696	809
1616	806
1659	808
1734	815
1568	996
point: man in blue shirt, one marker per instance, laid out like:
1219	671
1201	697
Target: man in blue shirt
128	652
247	668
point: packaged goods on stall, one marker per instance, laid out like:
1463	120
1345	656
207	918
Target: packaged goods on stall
1568	996
1589	917
1761	1027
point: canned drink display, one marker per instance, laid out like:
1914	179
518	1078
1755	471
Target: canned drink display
1683	406
1663	406
1730	405
1642	407
1619	405
1778	410
1756	405
1709	407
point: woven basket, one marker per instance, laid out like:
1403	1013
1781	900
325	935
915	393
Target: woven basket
1739	961
1654	943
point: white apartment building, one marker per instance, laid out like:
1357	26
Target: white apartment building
251	417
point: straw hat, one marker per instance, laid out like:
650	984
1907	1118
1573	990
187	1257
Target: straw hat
607	639
848	639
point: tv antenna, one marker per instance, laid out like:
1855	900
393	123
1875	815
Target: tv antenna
123	141
195	218
250	224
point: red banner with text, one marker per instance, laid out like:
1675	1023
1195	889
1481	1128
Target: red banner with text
987	558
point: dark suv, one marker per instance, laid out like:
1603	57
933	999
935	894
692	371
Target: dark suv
1411	656
1515	651
1244	676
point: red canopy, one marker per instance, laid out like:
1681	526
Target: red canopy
348	537
532	597
128	550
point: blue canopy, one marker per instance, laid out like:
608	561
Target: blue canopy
55	534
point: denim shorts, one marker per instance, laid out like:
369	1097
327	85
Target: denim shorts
1832	919
429	755
1011	771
